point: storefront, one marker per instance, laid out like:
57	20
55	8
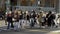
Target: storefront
34	3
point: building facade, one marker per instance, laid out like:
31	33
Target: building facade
53	5
2	4
46	5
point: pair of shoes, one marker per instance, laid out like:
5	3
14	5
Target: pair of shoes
0	30
8	28
16	30
43	26
56	27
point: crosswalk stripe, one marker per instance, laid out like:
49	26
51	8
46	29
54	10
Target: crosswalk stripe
38	31
56	31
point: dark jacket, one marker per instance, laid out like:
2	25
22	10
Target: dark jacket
9	18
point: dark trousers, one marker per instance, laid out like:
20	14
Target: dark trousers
53	23
9	25
32	22
12	25
49	23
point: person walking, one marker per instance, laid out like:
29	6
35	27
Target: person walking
50	19
32	19
40	19
27	18
9	20
16	21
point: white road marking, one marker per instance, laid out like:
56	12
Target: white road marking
54	32
38	31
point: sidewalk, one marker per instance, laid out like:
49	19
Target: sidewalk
2	23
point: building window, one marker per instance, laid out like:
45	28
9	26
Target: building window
32	2
24	3
27	2
13	2
47	3
53	5
38	2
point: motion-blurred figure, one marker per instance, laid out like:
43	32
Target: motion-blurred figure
9	20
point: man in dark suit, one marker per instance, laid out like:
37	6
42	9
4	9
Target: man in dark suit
9	20
50	19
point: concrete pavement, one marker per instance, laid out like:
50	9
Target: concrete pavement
2	23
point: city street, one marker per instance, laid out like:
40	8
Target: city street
3	30
30	16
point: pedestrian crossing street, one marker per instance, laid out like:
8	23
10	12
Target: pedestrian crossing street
48	31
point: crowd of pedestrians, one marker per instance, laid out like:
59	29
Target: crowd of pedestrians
19	19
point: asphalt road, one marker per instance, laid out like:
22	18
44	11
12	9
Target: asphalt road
3	30
31	31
